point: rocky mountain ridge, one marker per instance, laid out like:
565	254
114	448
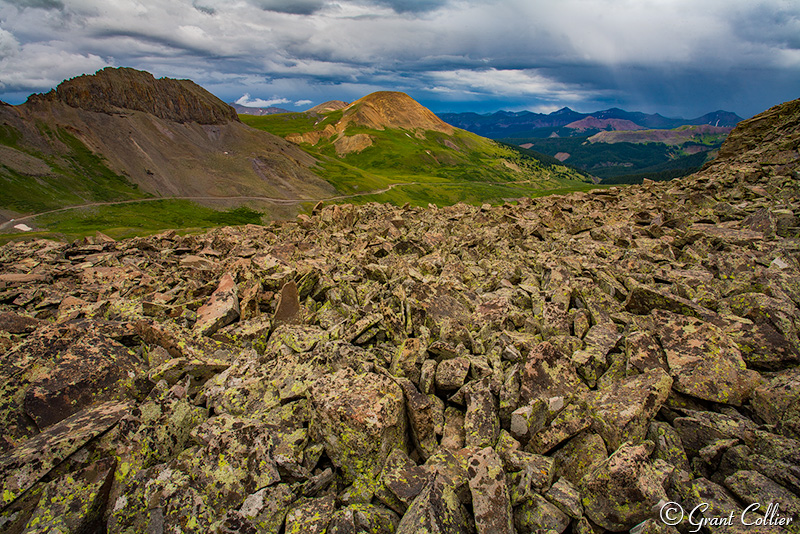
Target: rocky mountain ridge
563	364
144	136
112	90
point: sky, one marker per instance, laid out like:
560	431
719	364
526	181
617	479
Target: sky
680	58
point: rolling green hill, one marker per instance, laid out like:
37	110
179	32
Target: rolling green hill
387	140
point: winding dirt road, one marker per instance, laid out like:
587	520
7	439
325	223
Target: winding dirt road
278	201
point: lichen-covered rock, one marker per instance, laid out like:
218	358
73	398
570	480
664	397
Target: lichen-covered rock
310	516
491	504
536	514
436	510
622	411
777	400
234	460
360	419
451	373
620	492
221	309
704	362
548	373
74	502
34	458
579	456
482	420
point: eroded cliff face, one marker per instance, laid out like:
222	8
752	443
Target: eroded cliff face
114	90
562	363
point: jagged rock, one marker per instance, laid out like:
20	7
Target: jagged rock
592	361
453	435
579	456
360	419
704	362
362	518
567	497
92	369
668	445
776	400
420	412
623	411
14	323
644	352
753	487
436	510
310	516
408	360
538	515
288	310
403	478
482	420
34	458
174	100
620	492
74	502
490	499
221	309
548	373
700	429
450	374
262	511
569	422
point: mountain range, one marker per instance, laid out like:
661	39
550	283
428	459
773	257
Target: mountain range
504	124
122	135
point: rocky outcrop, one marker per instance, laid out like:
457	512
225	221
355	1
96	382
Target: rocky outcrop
565	363
115	90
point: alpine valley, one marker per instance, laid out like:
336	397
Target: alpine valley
121	143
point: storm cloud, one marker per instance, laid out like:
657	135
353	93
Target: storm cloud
677	57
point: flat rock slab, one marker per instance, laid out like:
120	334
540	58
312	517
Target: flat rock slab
546	373
491	503
623	411
703	360
221	309
24	466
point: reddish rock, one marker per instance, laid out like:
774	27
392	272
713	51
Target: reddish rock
221	309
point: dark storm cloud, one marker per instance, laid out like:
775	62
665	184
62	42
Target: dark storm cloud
296	7
43	4
674	56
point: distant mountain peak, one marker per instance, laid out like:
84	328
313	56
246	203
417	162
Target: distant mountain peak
327	107
112	90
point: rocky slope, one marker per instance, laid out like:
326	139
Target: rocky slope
567	363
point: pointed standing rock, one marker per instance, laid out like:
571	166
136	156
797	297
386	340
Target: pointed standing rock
288	310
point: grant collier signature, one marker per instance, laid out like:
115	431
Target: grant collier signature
673	513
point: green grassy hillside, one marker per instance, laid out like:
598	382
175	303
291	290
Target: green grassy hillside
433	166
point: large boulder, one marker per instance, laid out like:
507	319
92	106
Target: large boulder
360	418
622	490
703	360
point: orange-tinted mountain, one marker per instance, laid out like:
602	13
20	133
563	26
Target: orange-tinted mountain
391	109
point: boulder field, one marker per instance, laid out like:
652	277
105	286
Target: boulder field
560	364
